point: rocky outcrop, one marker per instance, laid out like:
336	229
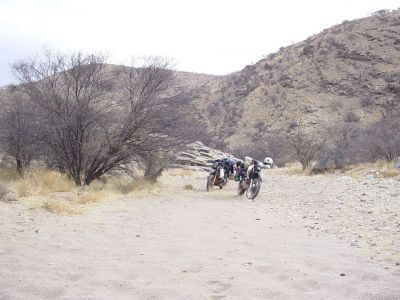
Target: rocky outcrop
198	155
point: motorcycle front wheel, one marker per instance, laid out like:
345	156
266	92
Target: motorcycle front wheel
254	189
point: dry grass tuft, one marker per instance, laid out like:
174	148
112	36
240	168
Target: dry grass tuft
8	174
99	191
379	169
122	186
144	184
292	170
132	187
390	173
188	187
42	182
181	172
92	197
3	192
56	193
59	207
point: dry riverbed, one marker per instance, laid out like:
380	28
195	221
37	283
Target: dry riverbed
304	237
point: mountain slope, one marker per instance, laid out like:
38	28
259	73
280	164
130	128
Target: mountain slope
334	76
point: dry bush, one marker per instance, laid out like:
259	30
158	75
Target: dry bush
342	148
348	144
383	140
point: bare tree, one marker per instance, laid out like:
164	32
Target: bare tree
305	145
343	147
383	140
150	105
277	146
89	124
17	128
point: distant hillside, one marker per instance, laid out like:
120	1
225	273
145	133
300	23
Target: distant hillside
333	76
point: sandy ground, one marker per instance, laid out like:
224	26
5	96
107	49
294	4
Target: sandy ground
318	237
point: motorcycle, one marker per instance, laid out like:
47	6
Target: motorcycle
251	185
216	178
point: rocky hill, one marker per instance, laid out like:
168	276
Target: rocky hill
337	75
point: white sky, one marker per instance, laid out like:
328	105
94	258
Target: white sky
206	36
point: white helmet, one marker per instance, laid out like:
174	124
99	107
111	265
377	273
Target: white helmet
268	162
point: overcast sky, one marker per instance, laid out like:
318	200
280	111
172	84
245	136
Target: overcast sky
205	36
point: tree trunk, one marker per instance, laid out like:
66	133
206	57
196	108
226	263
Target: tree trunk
305	165
19	165
153	170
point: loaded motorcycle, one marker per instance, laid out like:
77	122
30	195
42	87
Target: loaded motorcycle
252	184
216	178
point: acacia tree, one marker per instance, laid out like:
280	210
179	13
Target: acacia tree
17	128
93	120
150	105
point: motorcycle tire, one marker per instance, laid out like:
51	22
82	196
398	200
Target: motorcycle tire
254	189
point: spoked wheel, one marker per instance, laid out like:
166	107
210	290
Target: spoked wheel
210	183
241	190
254	188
